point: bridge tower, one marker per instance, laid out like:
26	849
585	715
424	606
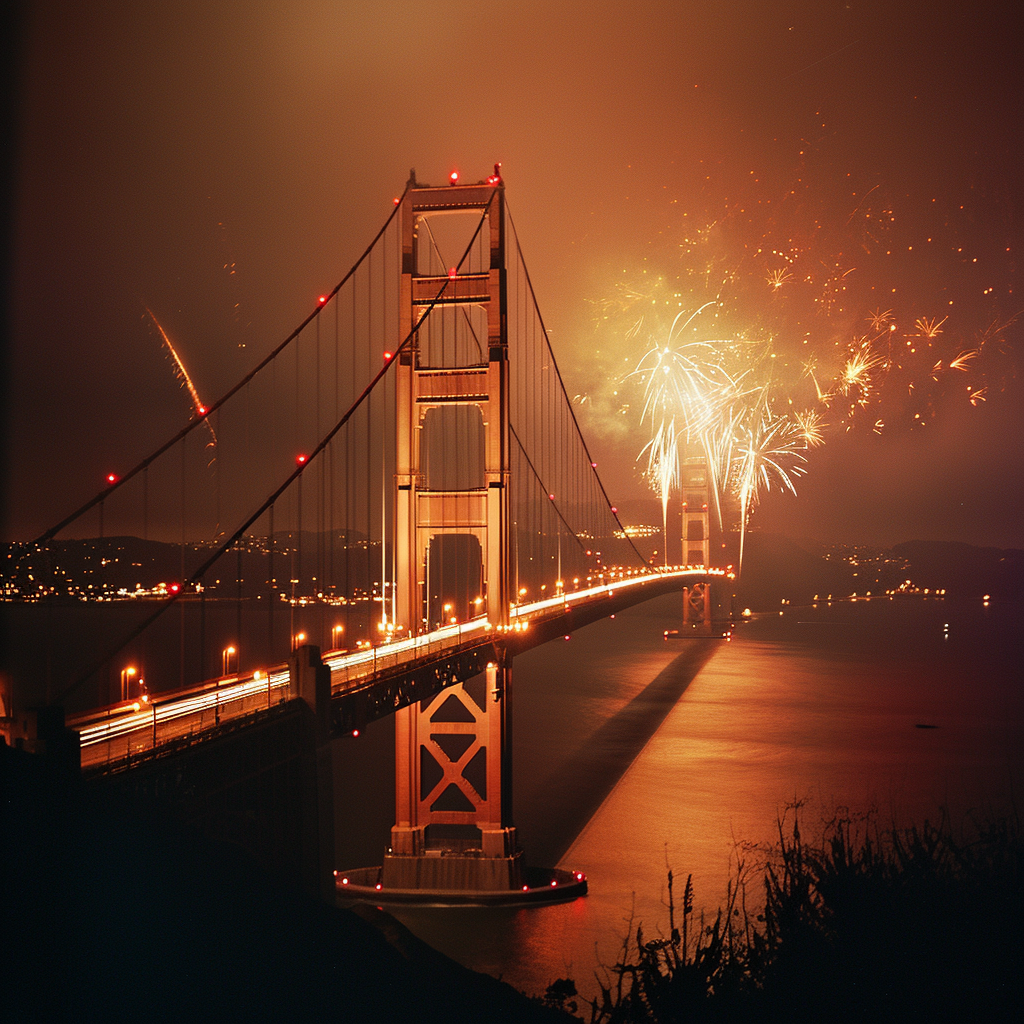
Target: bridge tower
696	540
453	777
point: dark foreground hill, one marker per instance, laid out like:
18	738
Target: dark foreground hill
114	916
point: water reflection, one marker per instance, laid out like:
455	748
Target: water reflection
817	705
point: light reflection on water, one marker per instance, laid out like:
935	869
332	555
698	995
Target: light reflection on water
818	705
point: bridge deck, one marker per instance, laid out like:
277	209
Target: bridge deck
111	737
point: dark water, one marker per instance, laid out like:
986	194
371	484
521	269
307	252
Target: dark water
62	651
634	754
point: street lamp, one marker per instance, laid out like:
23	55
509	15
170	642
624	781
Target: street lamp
298	640
336	631
126	678
225	659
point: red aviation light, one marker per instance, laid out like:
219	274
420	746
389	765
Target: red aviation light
388	356
454	177
300	460
111	478
453	273
322	299
396	200
174	588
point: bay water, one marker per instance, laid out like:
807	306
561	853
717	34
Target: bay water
635	754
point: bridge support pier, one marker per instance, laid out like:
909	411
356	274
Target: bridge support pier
453	797
310	681
697	608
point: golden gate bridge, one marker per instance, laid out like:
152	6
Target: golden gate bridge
433	509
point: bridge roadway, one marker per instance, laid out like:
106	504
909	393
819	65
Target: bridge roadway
365	684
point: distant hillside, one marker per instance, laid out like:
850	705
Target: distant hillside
777	568
80	567
966	570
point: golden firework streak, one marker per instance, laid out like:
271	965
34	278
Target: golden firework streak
197	402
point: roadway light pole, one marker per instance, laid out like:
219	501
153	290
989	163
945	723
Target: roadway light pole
126	676
225	664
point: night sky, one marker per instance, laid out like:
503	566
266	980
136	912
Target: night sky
823	171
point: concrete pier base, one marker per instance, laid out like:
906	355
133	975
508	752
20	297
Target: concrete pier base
537	886
459	872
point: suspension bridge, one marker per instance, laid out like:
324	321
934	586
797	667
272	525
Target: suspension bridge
393	503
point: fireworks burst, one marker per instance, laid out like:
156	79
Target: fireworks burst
663	467
880	321
960	361
769	449
928	328
719	353
183	376
857	372
811	427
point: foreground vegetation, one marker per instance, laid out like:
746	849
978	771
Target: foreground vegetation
864	924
